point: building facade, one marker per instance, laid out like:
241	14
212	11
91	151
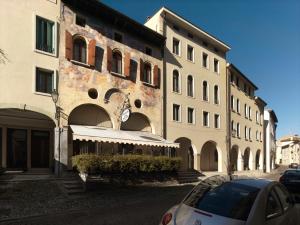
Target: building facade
29	31
194	91
288	150
270	120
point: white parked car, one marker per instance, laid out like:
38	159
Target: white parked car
220	200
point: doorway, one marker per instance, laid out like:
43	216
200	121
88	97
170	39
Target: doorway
16	148
40	149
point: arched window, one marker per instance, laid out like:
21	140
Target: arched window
190	86
175	81
205	91
147	73
79	52
216	94
117	62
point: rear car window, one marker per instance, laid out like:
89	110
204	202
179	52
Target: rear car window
229	199
292	173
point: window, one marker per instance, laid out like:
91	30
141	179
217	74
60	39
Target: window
205	60
245	88
250	112
273	206
250	134
80	21
283	197
176	46
260	137
45	35
191	116
79	50
190	53
246	110
256	116
205	119
190	86
256	135
117	62
238	105
147	73
232	78
148	51
246	133
216	94
205	91
176	112
232	102
118	37
216	66
237	82
44	81
233	130
175	81
217	121
238	130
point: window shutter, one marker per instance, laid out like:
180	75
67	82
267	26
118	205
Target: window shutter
92	51
109	58
141	70
156	77
127	64
69	45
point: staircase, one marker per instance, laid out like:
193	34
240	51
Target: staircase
189	176
73	183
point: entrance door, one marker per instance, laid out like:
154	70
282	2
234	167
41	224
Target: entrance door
16	148
191	158
40	149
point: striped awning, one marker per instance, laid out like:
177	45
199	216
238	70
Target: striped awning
103	134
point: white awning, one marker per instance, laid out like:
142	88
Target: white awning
102	134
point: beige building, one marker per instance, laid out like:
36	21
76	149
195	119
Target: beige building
194	91
29	39
288	150
246	122
108	61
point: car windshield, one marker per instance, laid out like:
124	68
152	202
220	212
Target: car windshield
292	173
228	199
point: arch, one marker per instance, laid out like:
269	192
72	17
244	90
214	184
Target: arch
110	92
90	115
258	160
79	49
137	122
248	160
190	86
187	152
210	157
175	80
147	76
117	61
234	158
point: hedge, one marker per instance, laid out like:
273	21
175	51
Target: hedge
98	164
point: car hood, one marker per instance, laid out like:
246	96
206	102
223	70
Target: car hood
186	215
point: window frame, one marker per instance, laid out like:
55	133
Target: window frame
193	115
54	38
206	61
179	112
114	52
218	66
54	80
218	95
207	91
179	82
187	53
218	121
187	86
179	46
147	63
79	37
208	123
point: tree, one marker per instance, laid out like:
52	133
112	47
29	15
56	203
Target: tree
3	57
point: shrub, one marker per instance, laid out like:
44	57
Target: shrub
92	163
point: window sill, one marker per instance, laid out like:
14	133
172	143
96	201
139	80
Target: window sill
191	124
118	74
149	85
45	53
205	101
177	92
193	97
176	55
205	126
176	121
191	61
80	63
42	93
207	68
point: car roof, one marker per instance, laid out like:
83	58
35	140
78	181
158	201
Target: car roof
253	182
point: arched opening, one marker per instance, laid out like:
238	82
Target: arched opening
190	86
90	115
137	122
234	152
209	157
247	159
186	152
257	160
28	139
79	50
117	62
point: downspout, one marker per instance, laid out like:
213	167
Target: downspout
164	116
228	113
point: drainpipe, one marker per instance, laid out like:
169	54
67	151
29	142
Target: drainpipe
164	102
228	113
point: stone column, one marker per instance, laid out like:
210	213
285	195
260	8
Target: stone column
61	155
268	148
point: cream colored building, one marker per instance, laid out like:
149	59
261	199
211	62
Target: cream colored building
194	91
288	150
29	39
246	122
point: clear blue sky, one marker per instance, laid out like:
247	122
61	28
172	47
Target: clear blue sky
265	43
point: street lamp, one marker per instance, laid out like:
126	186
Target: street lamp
55	97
